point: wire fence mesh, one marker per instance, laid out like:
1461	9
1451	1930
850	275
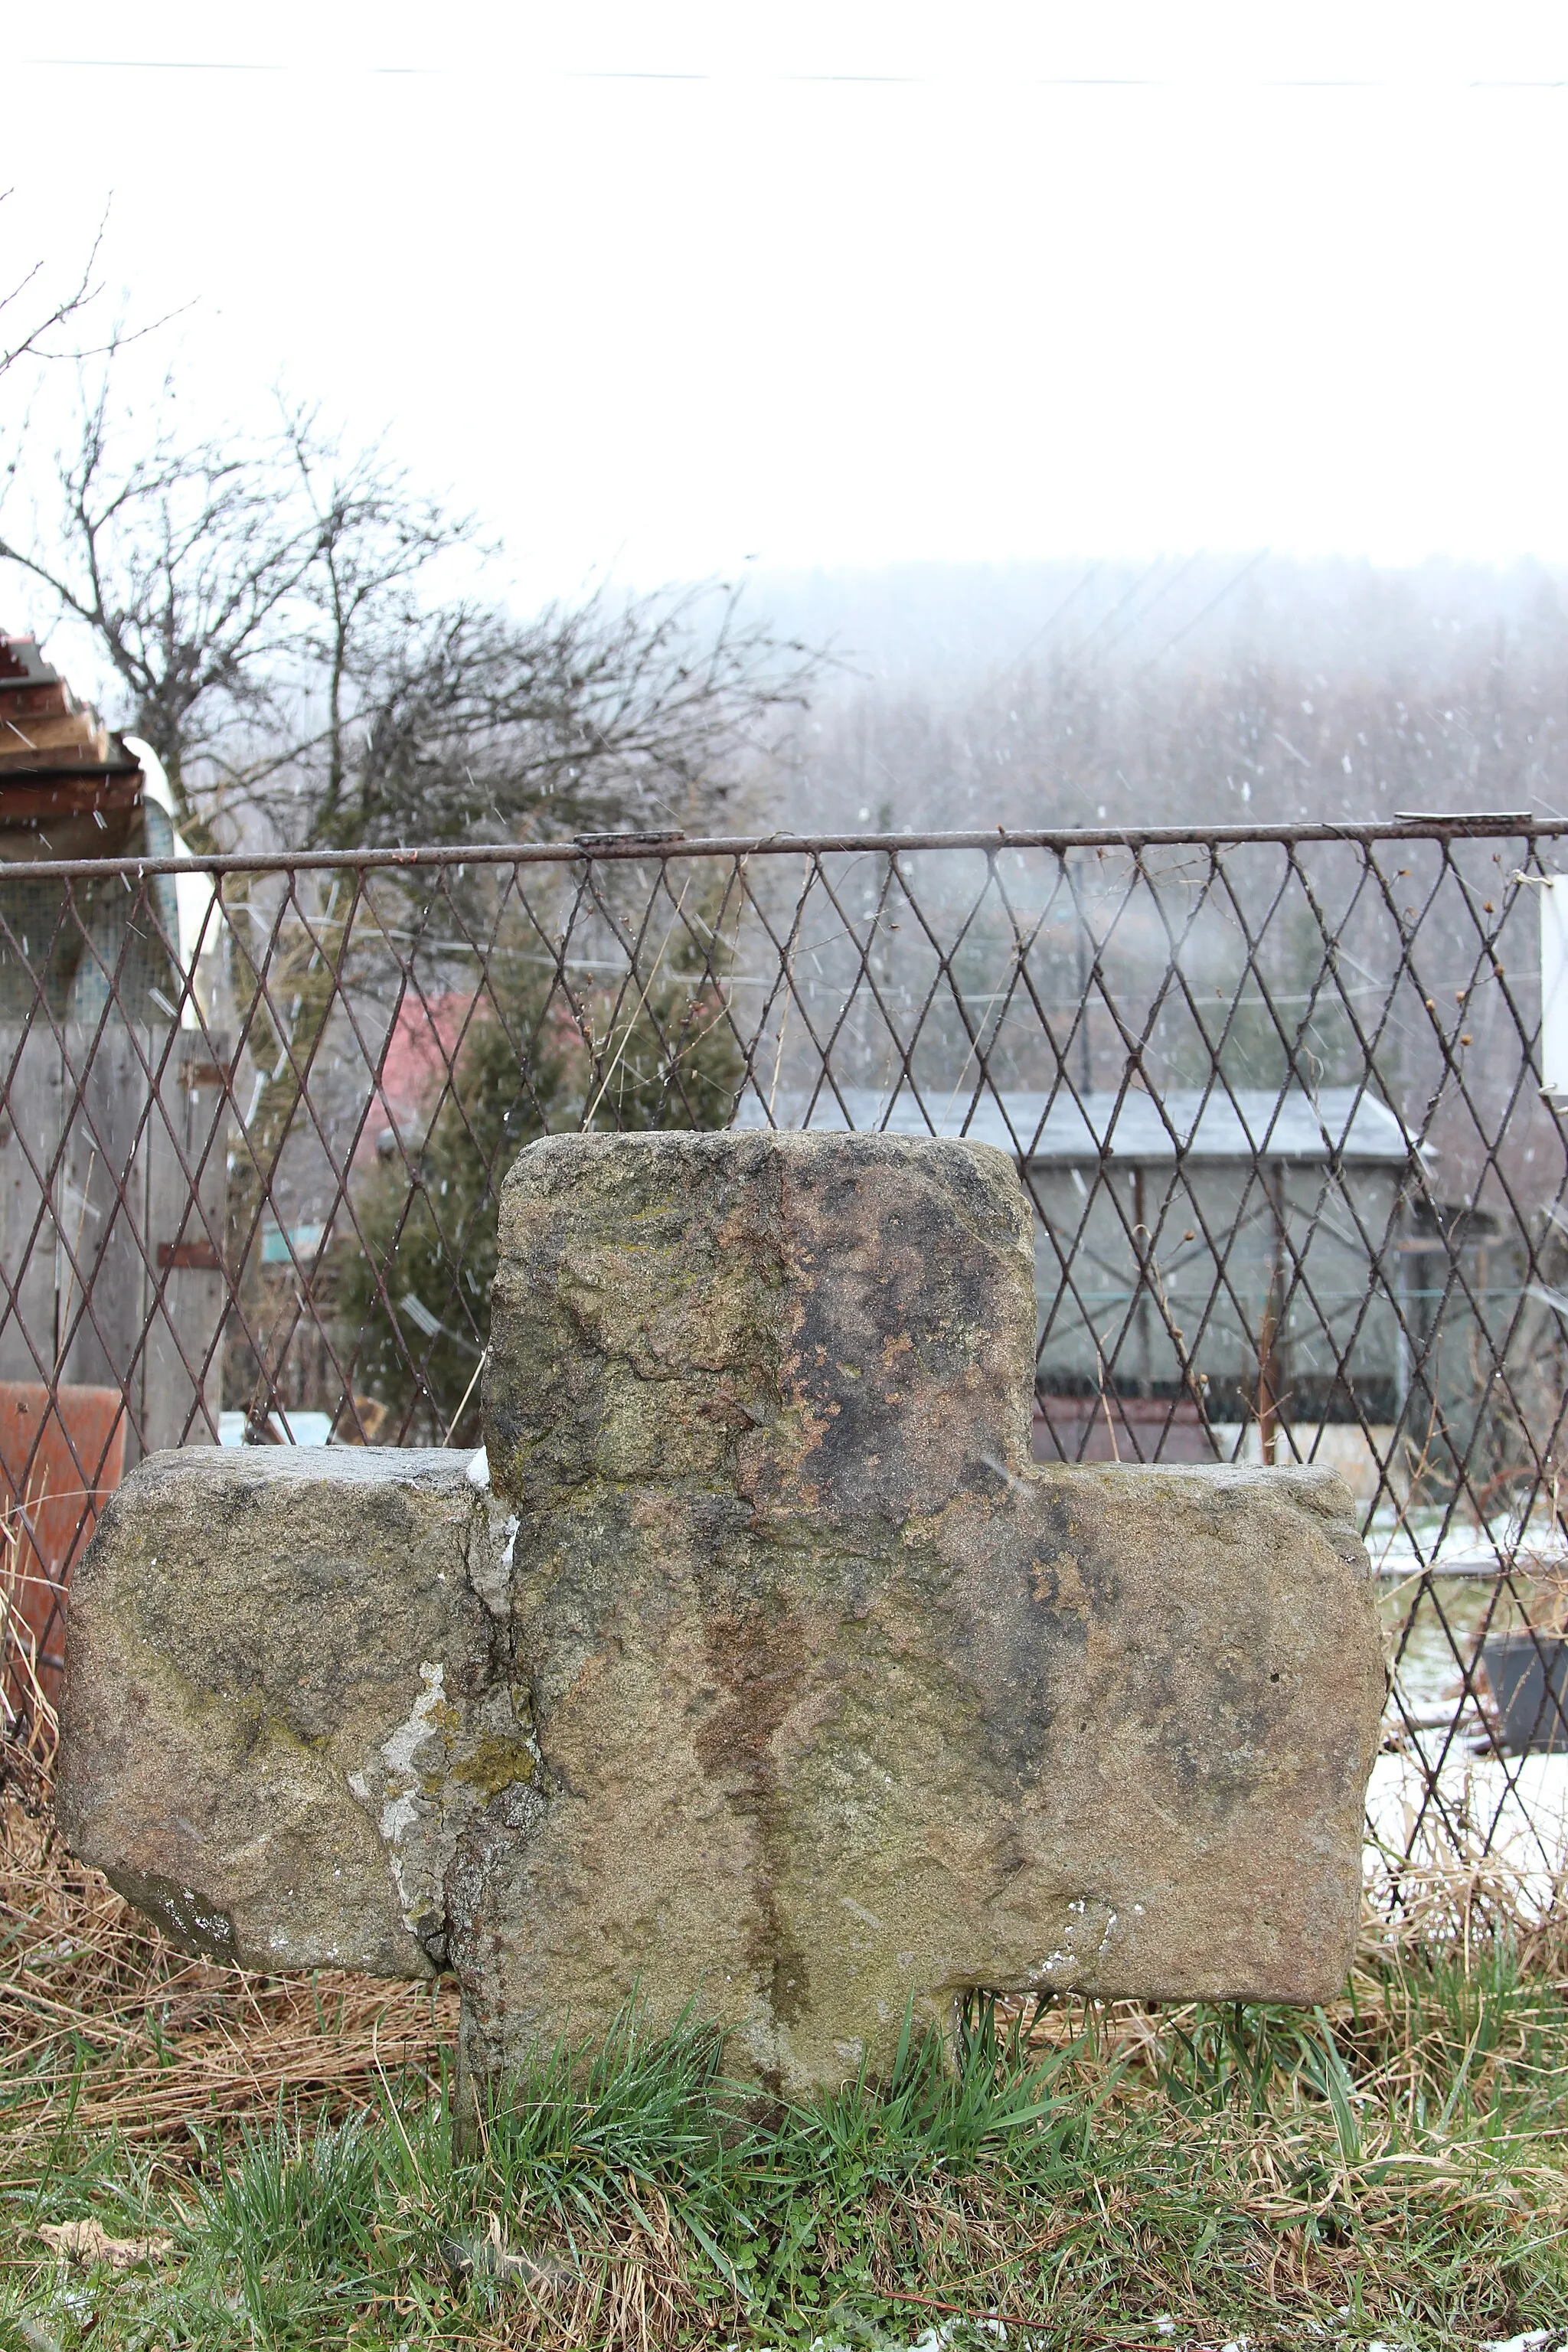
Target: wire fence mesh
1275	1094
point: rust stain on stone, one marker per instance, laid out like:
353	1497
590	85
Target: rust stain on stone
757	1653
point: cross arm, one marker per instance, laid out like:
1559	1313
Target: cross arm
287	1689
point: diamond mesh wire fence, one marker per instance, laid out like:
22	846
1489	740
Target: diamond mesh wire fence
1275	1094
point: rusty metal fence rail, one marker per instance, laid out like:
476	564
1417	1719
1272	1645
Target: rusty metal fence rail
1275	1094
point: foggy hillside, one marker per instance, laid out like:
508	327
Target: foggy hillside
1197	690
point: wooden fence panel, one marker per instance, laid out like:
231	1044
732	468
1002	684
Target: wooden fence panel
100	1206
30	1126
183	1365
120	1284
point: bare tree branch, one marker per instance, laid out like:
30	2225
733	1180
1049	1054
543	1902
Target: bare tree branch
186	563
264	606
477	725
32	336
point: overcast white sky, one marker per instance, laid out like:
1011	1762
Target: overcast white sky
659	287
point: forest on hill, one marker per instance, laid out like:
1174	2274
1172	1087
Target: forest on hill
1206	691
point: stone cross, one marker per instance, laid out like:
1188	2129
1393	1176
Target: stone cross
762	1670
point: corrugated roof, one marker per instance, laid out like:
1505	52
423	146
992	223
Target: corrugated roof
1251	1122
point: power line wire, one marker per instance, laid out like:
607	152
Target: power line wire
1161	593
1202	614
851	80
1005	669
1120	607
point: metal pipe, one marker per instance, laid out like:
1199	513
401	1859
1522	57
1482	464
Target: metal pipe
781	845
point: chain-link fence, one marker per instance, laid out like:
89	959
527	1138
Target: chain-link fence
1275	1094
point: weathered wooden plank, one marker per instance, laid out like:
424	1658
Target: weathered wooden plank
31	1110
94	1304
102	1203
182	1364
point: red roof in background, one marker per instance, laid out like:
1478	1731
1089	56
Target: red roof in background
416	1064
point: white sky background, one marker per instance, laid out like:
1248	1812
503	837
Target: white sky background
1066	281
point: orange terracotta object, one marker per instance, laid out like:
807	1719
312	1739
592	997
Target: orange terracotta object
61	1457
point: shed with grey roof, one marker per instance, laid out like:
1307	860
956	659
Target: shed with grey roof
1219	1256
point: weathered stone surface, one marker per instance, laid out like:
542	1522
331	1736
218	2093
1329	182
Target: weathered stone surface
840	1700
775	1676
286	1689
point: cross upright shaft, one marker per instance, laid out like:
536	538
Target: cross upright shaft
771	1675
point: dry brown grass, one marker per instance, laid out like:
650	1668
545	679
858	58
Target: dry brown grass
101	2015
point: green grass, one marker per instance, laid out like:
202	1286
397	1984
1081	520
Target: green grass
1394	2172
